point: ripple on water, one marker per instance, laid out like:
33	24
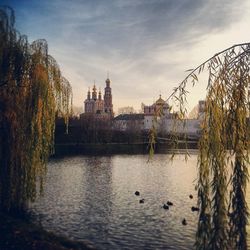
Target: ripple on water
92	198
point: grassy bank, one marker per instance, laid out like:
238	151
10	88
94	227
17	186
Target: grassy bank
21	235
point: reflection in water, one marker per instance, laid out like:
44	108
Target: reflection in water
93	198
96	207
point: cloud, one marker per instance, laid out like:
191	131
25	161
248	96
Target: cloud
145	44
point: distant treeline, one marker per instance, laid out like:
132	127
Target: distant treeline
99	131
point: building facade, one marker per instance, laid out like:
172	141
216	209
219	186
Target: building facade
158	115
98	106
154	112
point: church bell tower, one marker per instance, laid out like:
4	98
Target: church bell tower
108	106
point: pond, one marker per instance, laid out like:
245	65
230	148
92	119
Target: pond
93	198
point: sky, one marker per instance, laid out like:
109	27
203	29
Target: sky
145	45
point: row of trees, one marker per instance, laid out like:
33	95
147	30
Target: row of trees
32	90
95	130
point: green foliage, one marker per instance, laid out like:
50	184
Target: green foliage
32	91
223	148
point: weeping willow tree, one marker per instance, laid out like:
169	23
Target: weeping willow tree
223	148
32	92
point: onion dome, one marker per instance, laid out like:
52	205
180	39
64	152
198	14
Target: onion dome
160	101
107	81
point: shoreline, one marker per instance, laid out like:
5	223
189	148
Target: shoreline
18	233
69	149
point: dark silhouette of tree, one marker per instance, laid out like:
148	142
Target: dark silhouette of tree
223	148
32	90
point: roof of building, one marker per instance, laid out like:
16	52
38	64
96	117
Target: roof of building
160	101
129	117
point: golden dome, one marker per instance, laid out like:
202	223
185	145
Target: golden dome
160	101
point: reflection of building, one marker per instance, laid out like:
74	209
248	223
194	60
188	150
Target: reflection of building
95	105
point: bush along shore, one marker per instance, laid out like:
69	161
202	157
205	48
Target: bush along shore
19	234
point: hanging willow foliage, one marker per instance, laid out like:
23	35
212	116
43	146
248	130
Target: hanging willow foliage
223	148
32	91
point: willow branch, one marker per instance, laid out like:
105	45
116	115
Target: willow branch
204	63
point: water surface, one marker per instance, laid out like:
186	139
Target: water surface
92	198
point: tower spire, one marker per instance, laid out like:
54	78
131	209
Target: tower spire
108	106
94	92
88	95
100	94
